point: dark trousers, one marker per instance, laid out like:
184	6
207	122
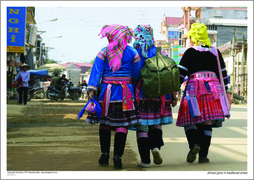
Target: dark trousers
21	90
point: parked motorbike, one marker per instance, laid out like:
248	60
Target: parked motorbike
35	93
74	92
54	94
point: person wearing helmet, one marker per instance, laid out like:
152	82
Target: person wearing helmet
60	83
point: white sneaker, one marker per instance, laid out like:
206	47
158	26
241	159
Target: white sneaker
157	159
143	165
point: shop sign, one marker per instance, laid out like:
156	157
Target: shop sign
16	25
175	54
45	84
32	35
180	53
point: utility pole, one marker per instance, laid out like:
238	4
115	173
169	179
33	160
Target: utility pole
242	68
246	78
233	72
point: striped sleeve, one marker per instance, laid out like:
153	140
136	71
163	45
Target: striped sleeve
136	58
223	70
184	65
137	65
101	54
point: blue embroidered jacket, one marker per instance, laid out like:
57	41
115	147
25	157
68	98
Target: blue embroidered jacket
130	67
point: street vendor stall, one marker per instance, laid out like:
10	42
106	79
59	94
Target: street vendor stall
40	74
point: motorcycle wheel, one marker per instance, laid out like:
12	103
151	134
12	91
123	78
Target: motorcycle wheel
42	94
75	96
47	94
28	97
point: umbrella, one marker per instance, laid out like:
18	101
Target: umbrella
51	67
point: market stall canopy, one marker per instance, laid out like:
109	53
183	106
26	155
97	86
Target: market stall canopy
51	67
38	72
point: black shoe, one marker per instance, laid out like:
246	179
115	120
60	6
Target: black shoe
191	157
203	160
117	162
103	161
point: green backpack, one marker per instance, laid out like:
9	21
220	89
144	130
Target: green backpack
160	76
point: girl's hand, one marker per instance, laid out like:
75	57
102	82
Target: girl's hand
91	94
174	99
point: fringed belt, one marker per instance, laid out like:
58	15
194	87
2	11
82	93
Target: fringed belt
127	96
199	80
203	75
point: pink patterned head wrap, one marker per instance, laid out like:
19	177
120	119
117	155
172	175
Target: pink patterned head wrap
118	36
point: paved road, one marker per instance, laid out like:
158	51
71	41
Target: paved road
228	151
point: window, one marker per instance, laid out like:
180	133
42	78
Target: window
173	34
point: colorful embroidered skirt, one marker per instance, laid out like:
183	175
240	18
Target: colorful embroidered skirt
116	116
203	102
150	112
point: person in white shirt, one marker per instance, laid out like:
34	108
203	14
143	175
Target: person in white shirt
25	76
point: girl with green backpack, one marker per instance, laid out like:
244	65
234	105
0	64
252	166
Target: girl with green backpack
154	112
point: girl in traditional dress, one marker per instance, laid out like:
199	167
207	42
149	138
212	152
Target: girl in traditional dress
204	104
114	67
154	112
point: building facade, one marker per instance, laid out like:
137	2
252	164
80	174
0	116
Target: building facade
170	34
21	36
77	71
227	30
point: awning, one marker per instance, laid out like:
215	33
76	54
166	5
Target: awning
38	72
30	15
228	22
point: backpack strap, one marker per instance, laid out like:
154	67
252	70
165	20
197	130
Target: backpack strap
158	50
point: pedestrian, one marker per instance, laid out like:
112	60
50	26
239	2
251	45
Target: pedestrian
114	67
204	103
154	112
78	85
25	76
54	79
84	89
84	83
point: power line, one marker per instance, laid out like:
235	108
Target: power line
210	16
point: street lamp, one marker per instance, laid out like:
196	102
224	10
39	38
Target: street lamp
51	20
40	32
48	43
